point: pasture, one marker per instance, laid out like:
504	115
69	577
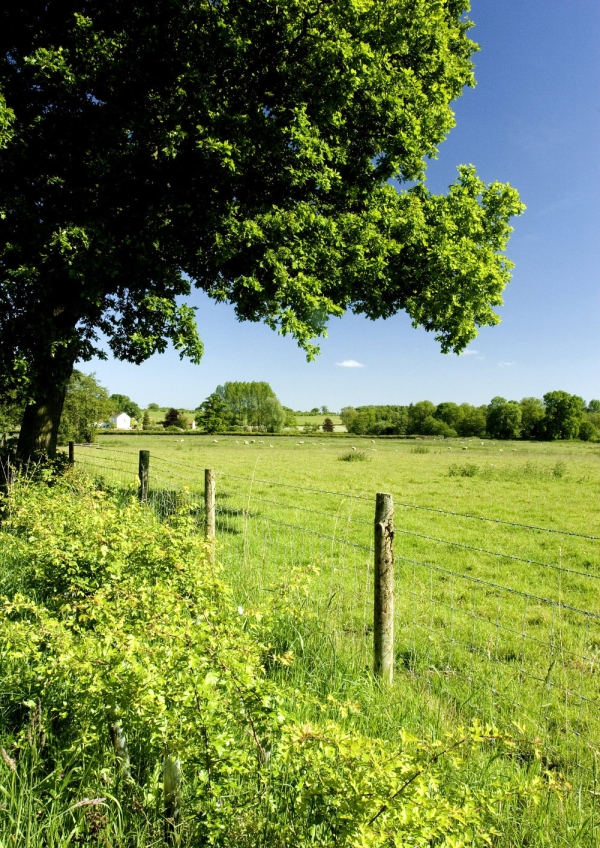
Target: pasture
495	620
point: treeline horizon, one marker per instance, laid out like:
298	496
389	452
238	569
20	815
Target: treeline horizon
558	415
254	405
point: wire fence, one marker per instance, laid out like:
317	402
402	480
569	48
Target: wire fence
494	619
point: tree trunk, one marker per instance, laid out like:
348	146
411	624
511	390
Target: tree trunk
39	428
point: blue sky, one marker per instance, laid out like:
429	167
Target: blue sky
534	121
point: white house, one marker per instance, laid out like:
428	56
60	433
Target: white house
122	421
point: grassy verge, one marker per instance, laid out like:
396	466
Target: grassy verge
492	618
143	704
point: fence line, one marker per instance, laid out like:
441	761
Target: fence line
473	643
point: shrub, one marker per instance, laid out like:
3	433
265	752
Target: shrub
115	621
436	427
588	432
355	456
559	469
420	449
467	470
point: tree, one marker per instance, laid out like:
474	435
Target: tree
153	406
436	427
324	410
213	414
563	415
532	418
348	414
588	432
417	413
593	406
273	415
146	421
174	418
122	403
450	413
328	426
248	402
290	418
503	419
244	148
87	404
472	421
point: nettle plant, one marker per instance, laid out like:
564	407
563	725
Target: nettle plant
120	641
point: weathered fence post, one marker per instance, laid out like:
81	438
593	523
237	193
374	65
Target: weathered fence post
144	474
71	453
171	792
383	612
209	507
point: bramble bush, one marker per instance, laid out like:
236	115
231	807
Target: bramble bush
115	625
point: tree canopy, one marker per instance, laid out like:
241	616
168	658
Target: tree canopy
87	404
242	404
123	403
246	148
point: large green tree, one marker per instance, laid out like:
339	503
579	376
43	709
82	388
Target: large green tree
213	414
503	420
87	404
243	147
564	413
123	403
246	404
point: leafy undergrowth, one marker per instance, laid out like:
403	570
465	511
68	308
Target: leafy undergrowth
140	704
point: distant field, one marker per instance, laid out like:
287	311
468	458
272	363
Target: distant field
493	620
158	415
317	419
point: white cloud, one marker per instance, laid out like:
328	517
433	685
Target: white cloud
469	352
350	363
505	364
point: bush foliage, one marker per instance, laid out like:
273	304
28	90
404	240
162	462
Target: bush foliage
115	624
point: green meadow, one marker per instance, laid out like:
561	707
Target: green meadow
495	620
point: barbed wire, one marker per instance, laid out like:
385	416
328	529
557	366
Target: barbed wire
482	582
364	522
498	521
246	514
369	499
503	627
471	647
497	554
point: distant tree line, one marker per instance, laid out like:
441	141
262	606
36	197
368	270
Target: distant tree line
254	406
558	415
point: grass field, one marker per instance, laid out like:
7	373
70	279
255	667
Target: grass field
494	620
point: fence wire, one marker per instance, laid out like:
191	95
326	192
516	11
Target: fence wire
498	623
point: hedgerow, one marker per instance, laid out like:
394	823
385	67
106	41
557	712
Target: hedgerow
138	705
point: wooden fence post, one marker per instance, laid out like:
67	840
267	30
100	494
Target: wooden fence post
144	474
72	453
171	792
383	612
209	506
